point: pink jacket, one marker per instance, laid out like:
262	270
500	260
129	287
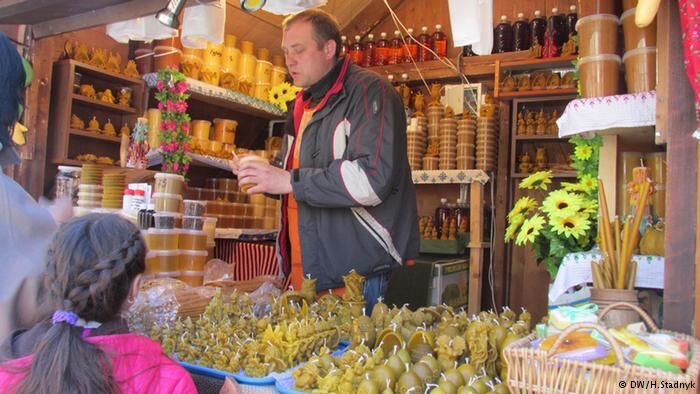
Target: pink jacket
138	363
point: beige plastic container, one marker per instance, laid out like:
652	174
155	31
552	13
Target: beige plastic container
262	91
250	158
599	75
627	4
592	7
161	239
279	74
191	260
161	261
200	129
263	72
192	66
597	34
210	229
166	202
637	37
192	240
640	69
225	130
169	183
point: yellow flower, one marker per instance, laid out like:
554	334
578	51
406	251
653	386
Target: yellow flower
561	203
513	226
530	230
538	180
589	207
280	94
525	205
572	225
570	187
583	152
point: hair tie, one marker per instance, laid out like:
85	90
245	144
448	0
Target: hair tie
64	317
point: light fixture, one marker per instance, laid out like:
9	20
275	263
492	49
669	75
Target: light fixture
252	5
170	15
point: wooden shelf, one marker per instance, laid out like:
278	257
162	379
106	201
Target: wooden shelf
92	134
539	93
233	106
101	105
555	174
539	137
100	73
486	64
538	64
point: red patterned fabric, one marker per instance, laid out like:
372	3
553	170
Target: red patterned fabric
252	259
690	29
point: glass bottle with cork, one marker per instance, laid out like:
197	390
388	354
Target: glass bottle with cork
442	215
368	53
410	49
439	41
503	36
521	33
426	42
461	213
538	26
571	20
396	49
558	24
381	51
344	47
356	51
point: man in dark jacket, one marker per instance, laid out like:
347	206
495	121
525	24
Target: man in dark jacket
348	201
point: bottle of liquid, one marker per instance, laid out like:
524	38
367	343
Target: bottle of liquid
503	36
521	34
344	47
368	53
410	50
538	26
356	51
461	213
381	52
426	42
558	24
468	51
442	215
396	49
571	20
439	41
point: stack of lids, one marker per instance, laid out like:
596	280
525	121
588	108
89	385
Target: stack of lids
434	113
113	189
416	142
448	143
466	142
486	143
90	189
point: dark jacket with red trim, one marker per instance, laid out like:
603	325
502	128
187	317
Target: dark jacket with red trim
357	202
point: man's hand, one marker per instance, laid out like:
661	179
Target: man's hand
235	164
266	178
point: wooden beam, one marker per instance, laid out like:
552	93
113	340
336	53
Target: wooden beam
34	11
500	201
677	122
364	22
476	251
262	15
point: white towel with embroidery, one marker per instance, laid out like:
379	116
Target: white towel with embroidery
202	23
471	22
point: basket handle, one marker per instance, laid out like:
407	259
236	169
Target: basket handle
619	357
645	316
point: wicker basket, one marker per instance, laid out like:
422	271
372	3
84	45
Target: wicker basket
537	371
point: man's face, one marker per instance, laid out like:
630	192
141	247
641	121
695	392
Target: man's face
305	61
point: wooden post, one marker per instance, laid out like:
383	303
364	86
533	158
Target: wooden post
476	219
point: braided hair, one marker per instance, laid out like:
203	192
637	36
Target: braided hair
91	265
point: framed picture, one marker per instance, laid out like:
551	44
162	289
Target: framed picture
463	97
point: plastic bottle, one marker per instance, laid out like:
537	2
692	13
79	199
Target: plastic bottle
442	215
571	20
558	23
368	53
381	52
410	50
521	34
138	200
439	41
426	42
344	47
396	49
127	201
356	51
538	26
503	36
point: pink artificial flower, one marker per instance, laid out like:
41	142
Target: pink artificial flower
185	126
186	147
160	106
185	167
181	87
172	125
181	106
173	146
176	166
170	106
160	86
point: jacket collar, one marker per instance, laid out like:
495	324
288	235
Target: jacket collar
317	91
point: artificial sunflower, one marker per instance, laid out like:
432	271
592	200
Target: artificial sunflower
280	94
588	183
530	230
571	187
588	207
583	152
524	205
572	225
561	203
538	180
513	226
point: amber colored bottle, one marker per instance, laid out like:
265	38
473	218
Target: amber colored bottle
538	26
439	41
426	42
558	23
344	48
356	51
443	213
571	20
410	49
381	51
503	36
521	34
368	53
396	49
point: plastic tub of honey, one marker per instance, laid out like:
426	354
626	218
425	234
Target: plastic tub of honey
211	251
161	239
430	163
225	221
191	260
269	223
258	210
193	222
279	75
194	207
192	240
227	184
192	278
465	163
597	34
262	91
191	66
626	4
246	67
271	211
93	197
249	159
592	7
599	75
169	183
200	129
210	228
258	223
637	37
258	199
166	202
640	69
165	220
263	72
225	130
215	146
161	261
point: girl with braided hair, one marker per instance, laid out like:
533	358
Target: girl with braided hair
93	272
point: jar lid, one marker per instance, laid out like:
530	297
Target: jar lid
163	231
598	58
66	169
192	273
170	176
193	232
167	195
627	13
161	253
596	18
192	252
